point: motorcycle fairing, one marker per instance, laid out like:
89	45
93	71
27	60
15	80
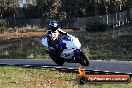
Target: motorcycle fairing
71	43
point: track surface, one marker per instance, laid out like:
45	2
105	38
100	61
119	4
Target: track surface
95	65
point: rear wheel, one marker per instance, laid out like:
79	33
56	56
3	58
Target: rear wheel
84	59
57	60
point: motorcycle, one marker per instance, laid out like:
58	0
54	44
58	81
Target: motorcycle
68	50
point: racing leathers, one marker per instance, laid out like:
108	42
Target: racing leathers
53	36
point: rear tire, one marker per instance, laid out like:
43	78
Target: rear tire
58	60
83	60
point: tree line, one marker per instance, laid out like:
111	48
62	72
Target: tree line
61	8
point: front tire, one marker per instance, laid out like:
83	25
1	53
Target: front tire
83	60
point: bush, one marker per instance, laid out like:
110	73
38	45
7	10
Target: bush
96	26
3	26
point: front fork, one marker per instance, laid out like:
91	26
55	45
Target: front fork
77	54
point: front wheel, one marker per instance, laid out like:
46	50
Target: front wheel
84	60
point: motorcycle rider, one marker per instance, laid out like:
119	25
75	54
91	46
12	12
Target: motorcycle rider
53	32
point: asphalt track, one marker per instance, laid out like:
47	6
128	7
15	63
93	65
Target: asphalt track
95	65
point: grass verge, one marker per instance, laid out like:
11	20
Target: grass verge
17	77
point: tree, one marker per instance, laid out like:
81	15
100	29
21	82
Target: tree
9	7
61	8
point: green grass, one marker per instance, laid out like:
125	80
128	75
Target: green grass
17	77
